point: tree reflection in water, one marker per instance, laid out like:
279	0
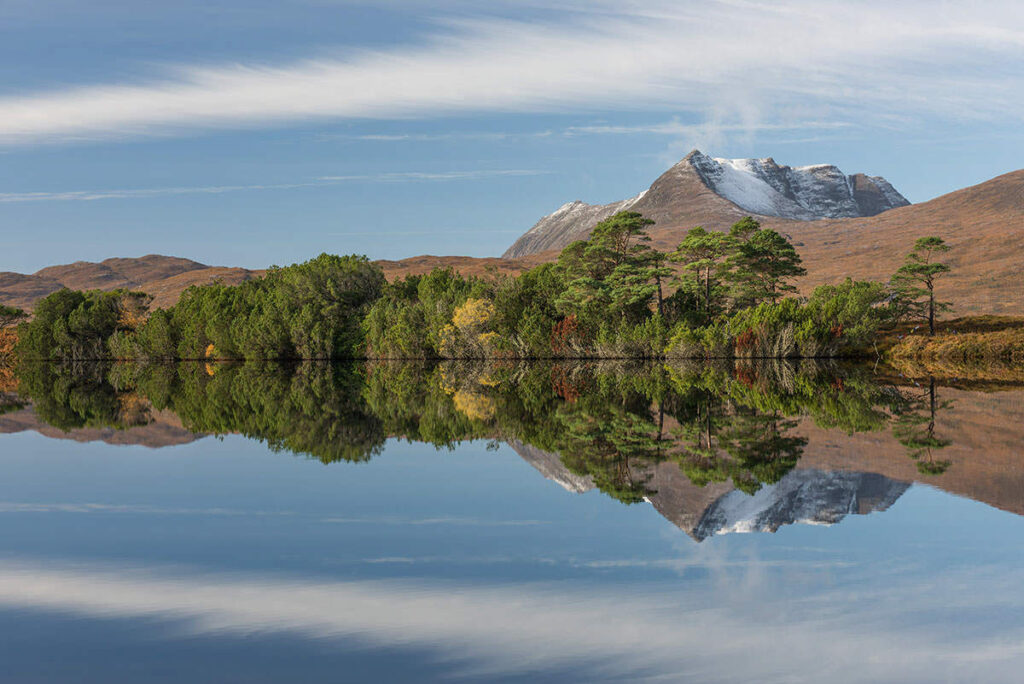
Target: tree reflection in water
610	422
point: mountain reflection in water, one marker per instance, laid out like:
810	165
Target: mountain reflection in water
715	449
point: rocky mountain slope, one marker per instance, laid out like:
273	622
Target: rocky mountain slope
701	190
809	497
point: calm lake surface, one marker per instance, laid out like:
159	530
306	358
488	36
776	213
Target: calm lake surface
509	523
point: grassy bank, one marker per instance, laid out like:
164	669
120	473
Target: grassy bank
976	347
963	340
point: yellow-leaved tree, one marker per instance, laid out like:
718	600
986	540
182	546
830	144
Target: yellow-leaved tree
468	336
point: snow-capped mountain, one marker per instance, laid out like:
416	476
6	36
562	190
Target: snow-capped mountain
701	190
812	497
804	192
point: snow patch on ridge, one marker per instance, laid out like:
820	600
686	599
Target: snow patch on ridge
761	186
807	497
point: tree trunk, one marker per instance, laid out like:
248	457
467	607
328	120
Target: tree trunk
931	309
707	293
658	280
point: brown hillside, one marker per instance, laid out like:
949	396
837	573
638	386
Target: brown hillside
475	266
23	291
984	224
163	277
166	291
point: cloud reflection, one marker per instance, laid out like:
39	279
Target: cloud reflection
686	631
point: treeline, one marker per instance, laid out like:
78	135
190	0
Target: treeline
718	295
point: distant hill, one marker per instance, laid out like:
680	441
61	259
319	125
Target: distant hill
167	277
161	276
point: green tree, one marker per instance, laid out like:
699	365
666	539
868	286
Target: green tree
762	265
69	325
613	274
915	429
703	256
914	282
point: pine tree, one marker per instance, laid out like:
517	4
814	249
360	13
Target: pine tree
615	269
763	264
703	256
914	282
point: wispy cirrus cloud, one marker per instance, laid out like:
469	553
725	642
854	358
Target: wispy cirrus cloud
437	137
322	181
734	61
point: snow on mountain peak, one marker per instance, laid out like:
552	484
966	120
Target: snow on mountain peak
816	191
809	497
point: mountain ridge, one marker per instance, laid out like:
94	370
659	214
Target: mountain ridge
700	189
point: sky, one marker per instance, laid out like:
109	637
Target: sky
258	132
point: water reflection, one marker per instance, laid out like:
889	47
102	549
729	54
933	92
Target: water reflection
713	448
209	560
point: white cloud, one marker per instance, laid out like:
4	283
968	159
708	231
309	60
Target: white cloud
743	628
491	136
734	61
92	507
137	193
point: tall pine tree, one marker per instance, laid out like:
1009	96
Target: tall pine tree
914	282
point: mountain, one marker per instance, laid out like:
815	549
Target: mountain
809	497
700	190
161	276
984	224
839	474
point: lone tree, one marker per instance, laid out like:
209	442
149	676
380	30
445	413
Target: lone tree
914	282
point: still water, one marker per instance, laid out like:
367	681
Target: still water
499	524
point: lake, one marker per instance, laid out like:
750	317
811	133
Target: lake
509	523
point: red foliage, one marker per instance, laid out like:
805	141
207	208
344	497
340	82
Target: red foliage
837	331
746	340
746	375
564	333
563	386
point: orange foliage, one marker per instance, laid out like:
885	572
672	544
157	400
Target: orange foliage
747	340
564	386
8	380
565	332
8	338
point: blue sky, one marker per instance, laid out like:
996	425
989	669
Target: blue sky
256	132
